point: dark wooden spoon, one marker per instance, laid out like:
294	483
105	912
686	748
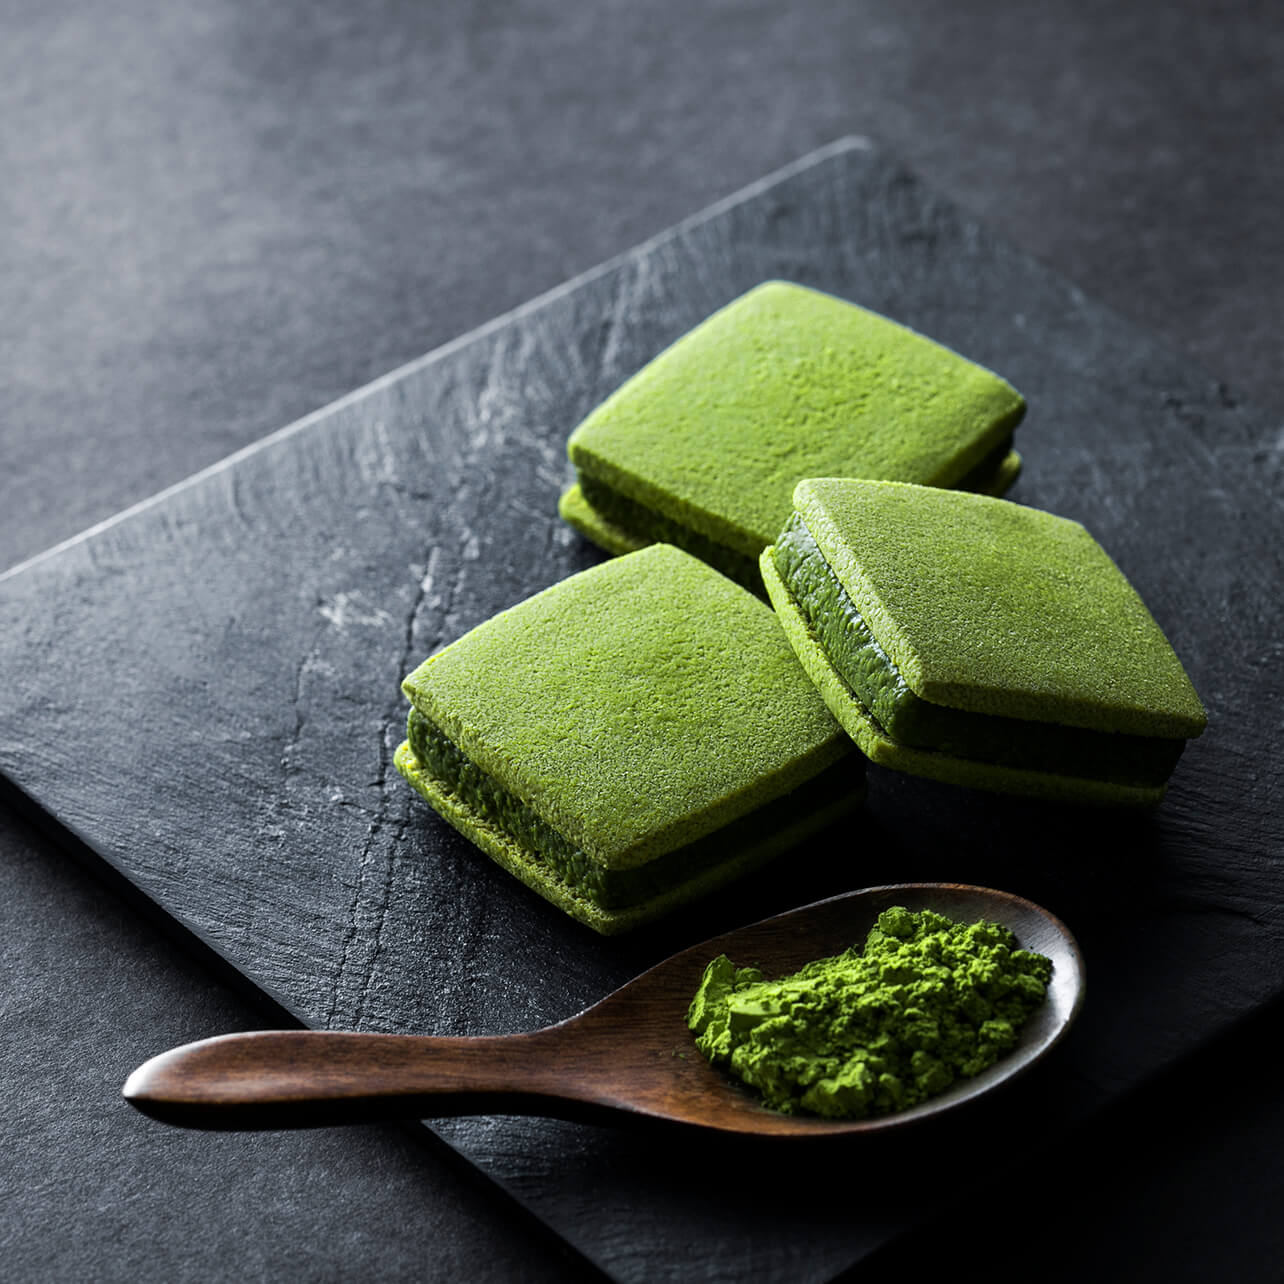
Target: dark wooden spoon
629	1055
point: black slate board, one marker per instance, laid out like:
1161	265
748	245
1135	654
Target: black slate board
204	691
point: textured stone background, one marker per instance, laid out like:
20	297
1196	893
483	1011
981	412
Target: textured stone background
216	218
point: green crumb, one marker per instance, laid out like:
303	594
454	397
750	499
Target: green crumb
927	1002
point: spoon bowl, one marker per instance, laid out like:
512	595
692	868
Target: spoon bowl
630	1055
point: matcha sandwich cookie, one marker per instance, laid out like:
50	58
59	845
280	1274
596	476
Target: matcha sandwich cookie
703	447
979	642
628	739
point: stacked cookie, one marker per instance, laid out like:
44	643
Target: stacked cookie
642	732
702	448
630	738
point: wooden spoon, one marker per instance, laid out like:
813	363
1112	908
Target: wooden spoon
629	1055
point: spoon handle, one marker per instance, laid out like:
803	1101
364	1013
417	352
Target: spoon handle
305	1078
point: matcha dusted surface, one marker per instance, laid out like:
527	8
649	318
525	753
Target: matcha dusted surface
634	707
784	383
614	900
845	638
992	607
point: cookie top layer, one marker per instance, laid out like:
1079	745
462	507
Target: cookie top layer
636	706
988	606
783	383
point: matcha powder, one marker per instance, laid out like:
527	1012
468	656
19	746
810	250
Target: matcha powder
927	1001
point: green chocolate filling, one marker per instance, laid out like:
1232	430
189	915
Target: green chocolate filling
869	671
609	888
648	524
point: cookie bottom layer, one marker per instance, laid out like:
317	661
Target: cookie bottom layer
882	750
994	474
835	793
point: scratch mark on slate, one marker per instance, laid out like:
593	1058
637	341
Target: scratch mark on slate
296	703
613	324
238	502
363	866
391	737
368	914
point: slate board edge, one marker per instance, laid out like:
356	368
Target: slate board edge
833	150
260	996
848	143
176	925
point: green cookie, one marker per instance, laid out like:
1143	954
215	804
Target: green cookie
628	739
976	641
703	447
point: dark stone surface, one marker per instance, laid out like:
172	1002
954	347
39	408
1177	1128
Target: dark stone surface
222	217
206	693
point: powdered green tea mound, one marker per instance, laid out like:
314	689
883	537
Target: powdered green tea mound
703	447
630	738
980	642
927	1001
